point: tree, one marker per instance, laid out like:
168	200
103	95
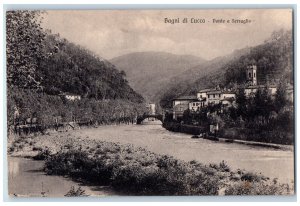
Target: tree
280	98
24	37
241	102
263	105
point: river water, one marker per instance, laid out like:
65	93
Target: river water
26	177
273	163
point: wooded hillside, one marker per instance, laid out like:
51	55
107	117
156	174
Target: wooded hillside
274	60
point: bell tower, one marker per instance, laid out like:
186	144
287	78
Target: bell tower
251	75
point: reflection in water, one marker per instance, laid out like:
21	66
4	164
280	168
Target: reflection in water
13	168
26	178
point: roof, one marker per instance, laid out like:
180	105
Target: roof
186	98
260	86
215	92
255	86
204	90
64	94
228	92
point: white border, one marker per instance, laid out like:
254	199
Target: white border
118	2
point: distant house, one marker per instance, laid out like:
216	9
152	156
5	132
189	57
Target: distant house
220	96
202	94
252	89
181	104
214	96
71	97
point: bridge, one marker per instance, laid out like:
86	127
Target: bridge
140	119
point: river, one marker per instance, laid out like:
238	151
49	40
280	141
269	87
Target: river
27	178
273	163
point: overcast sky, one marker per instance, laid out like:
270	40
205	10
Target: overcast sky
117	32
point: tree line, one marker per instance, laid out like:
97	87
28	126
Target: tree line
42	65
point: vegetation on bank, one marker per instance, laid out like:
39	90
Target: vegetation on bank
140	172
184	128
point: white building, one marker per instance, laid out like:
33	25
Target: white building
71	97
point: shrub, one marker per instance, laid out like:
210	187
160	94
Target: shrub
42	155
138	171
76	193
257	188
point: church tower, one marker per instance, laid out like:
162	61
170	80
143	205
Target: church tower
251	75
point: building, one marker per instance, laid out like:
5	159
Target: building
251	75
220	96
252	87
196	106
181	104
71	97
202	94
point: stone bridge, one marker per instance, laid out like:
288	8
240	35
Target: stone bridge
140	119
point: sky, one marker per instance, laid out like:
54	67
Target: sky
112	33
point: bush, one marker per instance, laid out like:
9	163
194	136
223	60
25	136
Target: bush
138	171
76	193
42	155
257	188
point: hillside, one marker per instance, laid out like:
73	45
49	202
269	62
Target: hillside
201	76
273	58
41	65
76	70
149	72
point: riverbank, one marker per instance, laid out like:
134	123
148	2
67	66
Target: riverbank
127	159
230	136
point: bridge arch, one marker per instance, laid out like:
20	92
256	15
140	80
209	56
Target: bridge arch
141	118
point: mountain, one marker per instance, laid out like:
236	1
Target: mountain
150	72
77	70
274	60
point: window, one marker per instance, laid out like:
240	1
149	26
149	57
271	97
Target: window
249	74
254	75
219	95
208	96
214	96
180	109
201	96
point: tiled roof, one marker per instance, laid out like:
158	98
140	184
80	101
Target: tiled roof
205	90
186	98
215	92
255	86
260	86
